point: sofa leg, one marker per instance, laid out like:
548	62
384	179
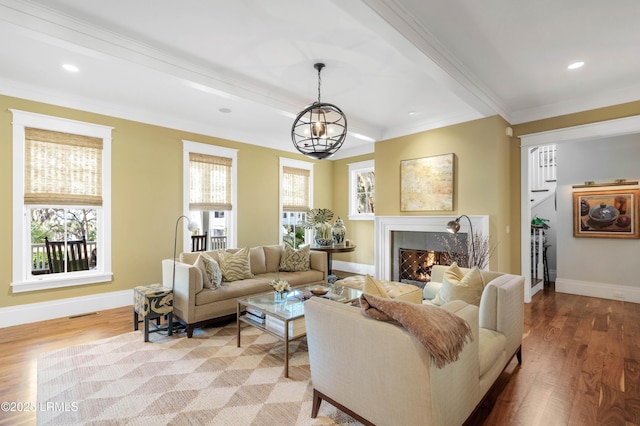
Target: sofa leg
519	355
190	329
317	400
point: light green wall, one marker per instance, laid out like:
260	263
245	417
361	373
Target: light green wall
483	180
147	189
585	117
360	232
147	197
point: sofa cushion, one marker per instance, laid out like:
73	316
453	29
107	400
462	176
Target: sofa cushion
257	260
211	273
491	346
456	285
295	260
236	290
393	289
191	256
235	266
430	290
375	287
272	255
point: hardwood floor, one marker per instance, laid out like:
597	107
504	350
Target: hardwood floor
21	345
581	362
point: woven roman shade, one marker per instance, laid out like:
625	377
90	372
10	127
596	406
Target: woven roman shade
209	182
62	168
295	189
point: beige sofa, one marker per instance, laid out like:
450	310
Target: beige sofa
379	373
197	306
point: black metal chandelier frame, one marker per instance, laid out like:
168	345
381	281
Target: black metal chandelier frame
320	129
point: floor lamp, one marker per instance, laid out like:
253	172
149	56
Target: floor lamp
191	226
454	226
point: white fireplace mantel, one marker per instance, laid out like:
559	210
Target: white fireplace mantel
385	225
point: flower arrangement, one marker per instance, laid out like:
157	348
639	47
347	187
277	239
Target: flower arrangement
280	286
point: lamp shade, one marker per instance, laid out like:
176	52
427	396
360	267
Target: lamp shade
453	226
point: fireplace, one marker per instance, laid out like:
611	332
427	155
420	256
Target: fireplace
415	265
415	233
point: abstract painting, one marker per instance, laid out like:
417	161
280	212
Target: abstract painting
426	184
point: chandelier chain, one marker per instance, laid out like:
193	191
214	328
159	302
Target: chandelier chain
319	83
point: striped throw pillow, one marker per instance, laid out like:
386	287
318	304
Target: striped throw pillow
235	266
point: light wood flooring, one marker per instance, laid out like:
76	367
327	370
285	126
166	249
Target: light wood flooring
581	362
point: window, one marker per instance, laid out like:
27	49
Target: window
296	183
362	185
61	195
210	193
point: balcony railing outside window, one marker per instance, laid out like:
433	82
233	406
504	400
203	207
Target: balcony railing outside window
40	264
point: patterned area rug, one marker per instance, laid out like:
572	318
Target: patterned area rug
205	380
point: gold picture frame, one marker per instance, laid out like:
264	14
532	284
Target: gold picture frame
606	214
427	184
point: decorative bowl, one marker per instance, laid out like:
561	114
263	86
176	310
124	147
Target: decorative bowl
324	242
604	214
319	291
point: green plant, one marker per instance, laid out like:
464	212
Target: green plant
294	239
318	219
539	222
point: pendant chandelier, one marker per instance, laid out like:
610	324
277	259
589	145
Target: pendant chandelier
320	129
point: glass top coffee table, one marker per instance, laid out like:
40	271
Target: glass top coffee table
285	320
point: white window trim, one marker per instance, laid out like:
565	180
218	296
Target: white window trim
22	280
218	151
305	165
354	168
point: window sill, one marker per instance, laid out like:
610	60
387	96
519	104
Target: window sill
362	217
45	282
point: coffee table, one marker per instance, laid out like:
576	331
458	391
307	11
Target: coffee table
285	321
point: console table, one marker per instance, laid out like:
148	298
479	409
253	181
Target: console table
333	249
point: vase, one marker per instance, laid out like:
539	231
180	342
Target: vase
322	235
279	297
338	232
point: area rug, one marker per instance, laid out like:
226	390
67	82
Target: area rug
205	380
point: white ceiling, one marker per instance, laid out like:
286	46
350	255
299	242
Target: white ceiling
178	63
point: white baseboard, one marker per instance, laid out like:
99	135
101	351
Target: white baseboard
354	268
34	312
602	290
536	288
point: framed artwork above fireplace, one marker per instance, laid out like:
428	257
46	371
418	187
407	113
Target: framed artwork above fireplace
426	184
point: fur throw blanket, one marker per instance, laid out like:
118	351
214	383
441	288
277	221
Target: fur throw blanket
442	333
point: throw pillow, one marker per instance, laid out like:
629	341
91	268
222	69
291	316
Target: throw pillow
211	273
374	287
456	285
235	266
295	260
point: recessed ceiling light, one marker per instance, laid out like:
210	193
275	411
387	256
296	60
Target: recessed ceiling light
412	113
576	65
70	68
225	110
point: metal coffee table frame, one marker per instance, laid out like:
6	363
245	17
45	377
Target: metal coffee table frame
286	312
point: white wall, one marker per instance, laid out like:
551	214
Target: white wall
601	267
547	210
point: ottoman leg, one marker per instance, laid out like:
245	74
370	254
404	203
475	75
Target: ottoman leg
146	328
135	320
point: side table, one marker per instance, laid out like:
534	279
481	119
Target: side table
153	302
333	249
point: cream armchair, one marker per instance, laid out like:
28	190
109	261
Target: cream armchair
379	373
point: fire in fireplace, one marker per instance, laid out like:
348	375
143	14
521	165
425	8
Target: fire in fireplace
415	265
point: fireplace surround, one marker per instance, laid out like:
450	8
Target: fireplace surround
385	226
